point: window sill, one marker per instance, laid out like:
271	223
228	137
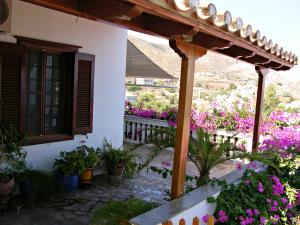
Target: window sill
49	138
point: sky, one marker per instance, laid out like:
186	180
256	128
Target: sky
276	19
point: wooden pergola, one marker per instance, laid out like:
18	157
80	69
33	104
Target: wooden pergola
191	30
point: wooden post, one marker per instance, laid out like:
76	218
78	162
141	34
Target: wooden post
189	53
262	73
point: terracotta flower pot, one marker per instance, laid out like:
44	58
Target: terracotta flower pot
87	176
6	188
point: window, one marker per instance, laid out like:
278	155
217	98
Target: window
45	93
46	89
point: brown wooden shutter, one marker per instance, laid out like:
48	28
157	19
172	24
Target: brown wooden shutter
11	64
83	93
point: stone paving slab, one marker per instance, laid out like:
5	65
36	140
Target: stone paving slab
78	208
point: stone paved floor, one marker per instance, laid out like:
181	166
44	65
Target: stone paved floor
77	209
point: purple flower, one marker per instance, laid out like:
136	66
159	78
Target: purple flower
262	220
223	218
256	212
239	166
260	187
289	206
251	165
166	163
249	212
205	218
284	201
247	182
277	188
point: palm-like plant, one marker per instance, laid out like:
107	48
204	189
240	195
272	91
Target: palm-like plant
203	152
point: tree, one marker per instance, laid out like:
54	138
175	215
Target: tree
271	100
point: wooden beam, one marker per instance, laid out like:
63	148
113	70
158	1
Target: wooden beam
124	12
189	53
262	73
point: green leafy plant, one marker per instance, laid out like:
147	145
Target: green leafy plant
118	161
43	186
12	155
91	156
260	198
120	212
203	152
70	163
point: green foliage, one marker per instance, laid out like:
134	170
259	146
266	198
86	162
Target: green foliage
10	146
11	152
118	161
289	167
90	155
235	200
232	86
171	90
120	212
150	101
203	153
44	186
70	163
134	88
271	100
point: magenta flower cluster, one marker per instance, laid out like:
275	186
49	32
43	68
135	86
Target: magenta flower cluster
282	129
250	218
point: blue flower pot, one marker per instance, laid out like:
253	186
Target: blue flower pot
70	183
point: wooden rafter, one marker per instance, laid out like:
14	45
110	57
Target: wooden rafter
166	18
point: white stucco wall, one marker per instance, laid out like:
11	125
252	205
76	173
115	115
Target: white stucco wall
108	43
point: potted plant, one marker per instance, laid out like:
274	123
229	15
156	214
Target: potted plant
91	159
118	162
12	157
70	165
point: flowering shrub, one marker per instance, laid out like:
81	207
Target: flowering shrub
258	199
239	117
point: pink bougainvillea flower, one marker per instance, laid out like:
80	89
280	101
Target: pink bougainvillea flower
251	165
205	218
239	166
260	187
284	201
247	182
249	212
256	212
223	218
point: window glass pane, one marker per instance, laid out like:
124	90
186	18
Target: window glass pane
32	100
48	86
49	60
33	72
48	73
54	97
33	93
56	60
48	100
56	74
33	85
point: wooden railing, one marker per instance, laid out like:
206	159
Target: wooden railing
137	129
196	221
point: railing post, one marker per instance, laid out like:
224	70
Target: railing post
189	53
262	73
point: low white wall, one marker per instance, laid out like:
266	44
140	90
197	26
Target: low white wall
199	210
191	205
108	43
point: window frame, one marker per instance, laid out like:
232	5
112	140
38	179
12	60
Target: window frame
47	48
